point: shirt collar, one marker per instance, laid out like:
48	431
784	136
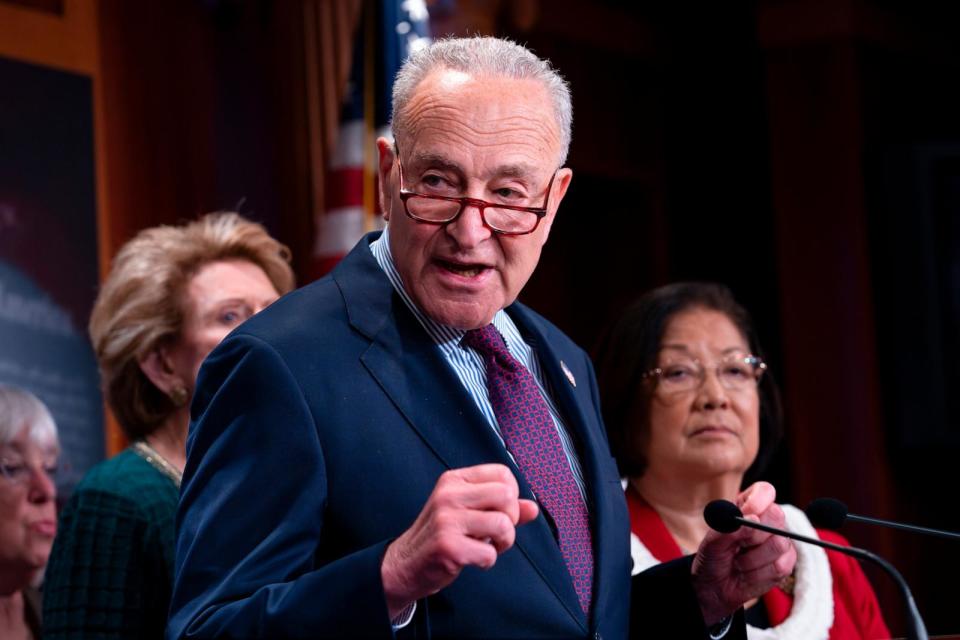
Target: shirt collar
442	334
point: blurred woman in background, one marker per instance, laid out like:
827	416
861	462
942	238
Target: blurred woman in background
29	449
173	293
692	414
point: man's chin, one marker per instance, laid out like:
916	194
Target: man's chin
458	315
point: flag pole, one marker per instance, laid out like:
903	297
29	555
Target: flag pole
369	114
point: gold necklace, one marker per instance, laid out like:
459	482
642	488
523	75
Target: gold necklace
158	462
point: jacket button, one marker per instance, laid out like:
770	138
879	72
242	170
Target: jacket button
597	636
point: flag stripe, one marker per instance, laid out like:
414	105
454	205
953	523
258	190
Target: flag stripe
383	41
344	188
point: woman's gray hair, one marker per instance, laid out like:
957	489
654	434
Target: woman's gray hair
484	56
18	409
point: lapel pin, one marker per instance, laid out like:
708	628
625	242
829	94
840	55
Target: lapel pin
568	373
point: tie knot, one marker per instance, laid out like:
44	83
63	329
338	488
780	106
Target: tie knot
487	341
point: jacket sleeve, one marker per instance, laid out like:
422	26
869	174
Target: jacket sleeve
251	514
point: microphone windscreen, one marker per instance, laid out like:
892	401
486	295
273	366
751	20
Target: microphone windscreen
826	513
722	516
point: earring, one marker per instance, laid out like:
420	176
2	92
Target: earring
178	396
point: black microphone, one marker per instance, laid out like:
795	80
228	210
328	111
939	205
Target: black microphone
828	513
725	517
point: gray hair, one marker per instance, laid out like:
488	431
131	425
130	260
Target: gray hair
484	56
18	409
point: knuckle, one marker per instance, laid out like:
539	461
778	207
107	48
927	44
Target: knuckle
509	536
503	526
450	566
447	550
444	520
448	478
505	475
487	559
782	545
441	496
783	565
505	494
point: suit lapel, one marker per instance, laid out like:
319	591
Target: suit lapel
413	373
410	369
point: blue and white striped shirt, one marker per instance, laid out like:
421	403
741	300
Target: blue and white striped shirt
468	364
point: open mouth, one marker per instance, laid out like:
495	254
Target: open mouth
464	270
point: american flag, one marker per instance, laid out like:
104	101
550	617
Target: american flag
388	31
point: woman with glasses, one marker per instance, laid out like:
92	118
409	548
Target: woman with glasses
693	416
29	448
173	293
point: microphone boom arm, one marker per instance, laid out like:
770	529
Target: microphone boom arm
905	527
917	630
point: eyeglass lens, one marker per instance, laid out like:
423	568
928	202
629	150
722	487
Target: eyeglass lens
436	210
736	372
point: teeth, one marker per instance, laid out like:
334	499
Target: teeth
464	271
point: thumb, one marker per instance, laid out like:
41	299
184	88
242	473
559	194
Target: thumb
528	511
756	498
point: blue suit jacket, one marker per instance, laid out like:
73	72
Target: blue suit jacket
320	428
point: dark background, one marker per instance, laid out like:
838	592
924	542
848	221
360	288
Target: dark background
806	153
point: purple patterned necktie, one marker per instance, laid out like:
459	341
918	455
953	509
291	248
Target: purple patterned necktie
531	437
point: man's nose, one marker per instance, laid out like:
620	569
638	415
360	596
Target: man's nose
469	229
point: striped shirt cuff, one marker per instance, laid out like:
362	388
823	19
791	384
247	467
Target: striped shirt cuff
404	617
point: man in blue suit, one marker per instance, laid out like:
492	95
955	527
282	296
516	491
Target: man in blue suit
403	450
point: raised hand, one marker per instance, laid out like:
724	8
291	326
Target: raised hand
731	569
469	519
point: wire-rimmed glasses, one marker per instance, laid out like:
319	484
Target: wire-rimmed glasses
735	372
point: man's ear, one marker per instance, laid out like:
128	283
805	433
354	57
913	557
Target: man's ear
560	185
385	159
564	176
156	365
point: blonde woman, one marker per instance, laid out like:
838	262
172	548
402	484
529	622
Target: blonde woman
174	292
